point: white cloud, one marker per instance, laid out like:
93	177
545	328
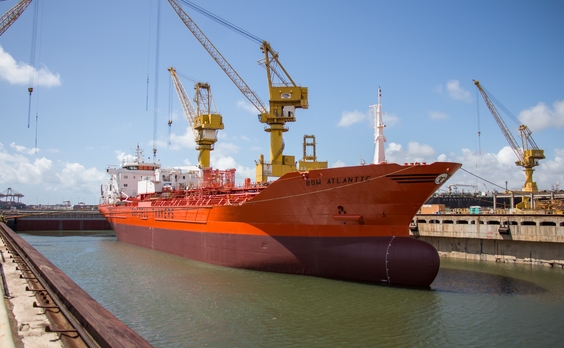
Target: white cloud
75	177
540	117
419	150
393	147
442	158
22	149
224	149
456	92
486	168
506	156
227	162
247	106
437	115
39	175
390	119
19	73
182	141
338	164
123	157
491	171
415	153
351	117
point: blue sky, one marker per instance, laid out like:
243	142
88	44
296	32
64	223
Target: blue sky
93	59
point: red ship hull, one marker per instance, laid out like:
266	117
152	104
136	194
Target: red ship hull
344	223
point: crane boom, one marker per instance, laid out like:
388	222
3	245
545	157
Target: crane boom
12	15
504	129
285	97
528	154
223	63
187	106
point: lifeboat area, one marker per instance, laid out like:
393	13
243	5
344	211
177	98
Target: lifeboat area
532	238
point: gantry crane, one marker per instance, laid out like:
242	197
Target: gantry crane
528	154
12	15
204	120
285	98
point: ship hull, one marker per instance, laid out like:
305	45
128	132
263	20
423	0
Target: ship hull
345	223
389	259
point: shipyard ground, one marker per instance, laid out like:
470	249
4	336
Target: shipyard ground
21	324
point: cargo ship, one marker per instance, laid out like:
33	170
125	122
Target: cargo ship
348	223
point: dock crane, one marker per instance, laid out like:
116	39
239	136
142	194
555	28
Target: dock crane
12	15
204	120
285	98
528	154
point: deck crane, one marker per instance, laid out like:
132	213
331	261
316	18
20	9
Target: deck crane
12	15
285	98
204	120
528	154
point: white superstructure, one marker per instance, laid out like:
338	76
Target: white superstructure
140	177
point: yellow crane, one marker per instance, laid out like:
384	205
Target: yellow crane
285	97
204	120
528	154
309	160
12	15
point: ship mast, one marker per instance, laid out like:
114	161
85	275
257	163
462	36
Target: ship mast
379	138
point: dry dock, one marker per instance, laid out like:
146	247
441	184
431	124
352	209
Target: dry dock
525	238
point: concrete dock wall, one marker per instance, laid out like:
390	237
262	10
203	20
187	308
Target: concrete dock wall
500	238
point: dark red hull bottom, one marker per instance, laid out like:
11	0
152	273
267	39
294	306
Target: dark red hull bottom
393	260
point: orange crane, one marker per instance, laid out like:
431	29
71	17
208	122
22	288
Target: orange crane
12	15
285	97
204	120
528	154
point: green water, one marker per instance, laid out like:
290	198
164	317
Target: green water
174	302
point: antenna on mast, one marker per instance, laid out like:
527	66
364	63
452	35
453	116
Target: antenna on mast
379	138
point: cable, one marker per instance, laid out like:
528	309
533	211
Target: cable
223	22
478	117
502	107
156	96
32	59
170	98
489	182
149	54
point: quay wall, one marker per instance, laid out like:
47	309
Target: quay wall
501	237
74	220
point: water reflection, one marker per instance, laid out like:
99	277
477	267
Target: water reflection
472	282
175	302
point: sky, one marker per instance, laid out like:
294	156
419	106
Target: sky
101	86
